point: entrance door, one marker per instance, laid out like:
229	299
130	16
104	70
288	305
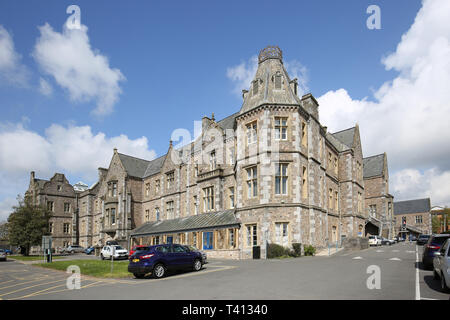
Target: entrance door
169	240
207	240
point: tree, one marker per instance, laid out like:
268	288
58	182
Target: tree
3	231
27	224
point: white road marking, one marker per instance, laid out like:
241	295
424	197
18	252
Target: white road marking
395	259
357	258
380	251
409	251
417	276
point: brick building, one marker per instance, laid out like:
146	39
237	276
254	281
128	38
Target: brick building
417	215
269	173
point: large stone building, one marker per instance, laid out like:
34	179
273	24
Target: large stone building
269	173
412	217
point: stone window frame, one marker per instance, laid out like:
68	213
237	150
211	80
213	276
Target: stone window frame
50	227
208	199
304	178
212	160
252	181
281	177
169	209
251	234
336	200
280	240
330	198
231	238
278	127
147	189
157	186
147	215
304	134
251	132
66	228
231	197
336	165
113	216
277	75
51	206
157	214
373	210
195	202
170	177
419	219
67	207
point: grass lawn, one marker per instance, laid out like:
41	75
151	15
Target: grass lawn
31	258
95	268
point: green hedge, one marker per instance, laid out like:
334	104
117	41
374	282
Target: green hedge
310	250
276	251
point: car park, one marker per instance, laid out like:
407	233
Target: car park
433	245
422	239
113	251
441	266
374	241
2	255
160	259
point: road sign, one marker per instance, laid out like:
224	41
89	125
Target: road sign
46	242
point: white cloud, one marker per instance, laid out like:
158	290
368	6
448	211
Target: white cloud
76	67
409	115
11	69
44	87
73	150
6	208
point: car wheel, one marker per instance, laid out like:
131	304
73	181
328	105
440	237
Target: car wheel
435	275
139	275
444	285
197	265
102	257
159	271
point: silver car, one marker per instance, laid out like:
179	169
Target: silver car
2	255
441	265
74	249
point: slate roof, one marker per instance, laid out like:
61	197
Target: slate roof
337	143
373	166
412	206
40	182
228	122
192	223
345	136
154	166
135	167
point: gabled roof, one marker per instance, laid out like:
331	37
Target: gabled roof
346	136
40	182
135	167
228	122
373	166
412	206
336	143
198	222
154	166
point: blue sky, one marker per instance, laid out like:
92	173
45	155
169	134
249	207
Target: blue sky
174	57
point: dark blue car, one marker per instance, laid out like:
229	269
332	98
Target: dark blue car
434	244
162	258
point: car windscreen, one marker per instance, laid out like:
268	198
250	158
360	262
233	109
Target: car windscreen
142	249
118	247
372	237
439	240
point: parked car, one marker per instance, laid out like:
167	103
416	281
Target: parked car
137	248
422	239
204	257
112	243
385	241
433	245
441	266
119	252
2	255
73	249
159	259
412	238
8	251
374	241
89	250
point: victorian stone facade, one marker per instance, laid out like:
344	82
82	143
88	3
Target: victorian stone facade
269	173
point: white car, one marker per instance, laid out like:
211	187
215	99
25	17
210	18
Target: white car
374	241
115	251
441	266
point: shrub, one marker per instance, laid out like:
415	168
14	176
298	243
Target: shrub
310	250
275	251
297	249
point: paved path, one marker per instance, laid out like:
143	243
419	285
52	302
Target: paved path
341	276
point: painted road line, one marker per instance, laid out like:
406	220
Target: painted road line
20	283
357	258
395	259
417	276
26	288
96	284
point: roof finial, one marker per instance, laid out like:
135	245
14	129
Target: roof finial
115	150
212	117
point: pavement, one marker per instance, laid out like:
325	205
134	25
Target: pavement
343	275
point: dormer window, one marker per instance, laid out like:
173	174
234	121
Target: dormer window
277	80
255	87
